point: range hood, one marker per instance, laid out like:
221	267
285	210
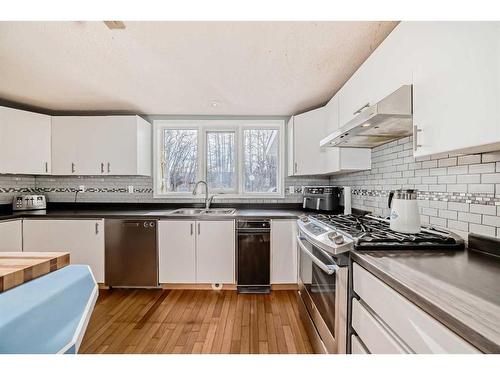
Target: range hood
389	119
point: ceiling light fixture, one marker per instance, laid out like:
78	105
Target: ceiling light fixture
215	104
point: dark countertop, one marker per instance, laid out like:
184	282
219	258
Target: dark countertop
459	289
148	213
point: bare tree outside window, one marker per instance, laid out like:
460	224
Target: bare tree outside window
221	159
261	150
180	160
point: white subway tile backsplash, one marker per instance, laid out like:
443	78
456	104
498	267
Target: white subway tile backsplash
491	220
469	159
481	188
483	209
490	178
468	217
453	190
482	168
482	229
461	169
447	162
447	214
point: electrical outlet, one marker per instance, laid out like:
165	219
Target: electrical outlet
81	188
131	189
291	189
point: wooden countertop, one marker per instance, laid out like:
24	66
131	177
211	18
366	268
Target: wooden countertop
459	289
17	268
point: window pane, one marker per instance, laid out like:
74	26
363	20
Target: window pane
221	169
180	149
261	148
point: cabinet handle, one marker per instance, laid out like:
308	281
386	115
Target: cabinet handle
46	167
109	167
295	167
416	130
191	229
72	167
199	231
102	167
96	228
361	109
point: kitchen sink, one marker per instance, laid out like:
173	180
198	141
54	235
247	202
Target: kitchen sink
201	211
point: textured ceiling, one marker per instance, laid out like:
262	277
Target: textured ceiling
248	68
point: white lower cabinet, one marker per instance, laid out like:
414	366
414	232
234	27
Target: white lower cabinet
11	235
196	251
83	239
386	322
283	252
215	252
177	255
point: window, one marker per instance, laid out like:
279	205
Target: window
261	160
179	160
241	159
221	167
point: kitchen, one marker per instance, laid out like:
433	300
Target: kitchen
360	217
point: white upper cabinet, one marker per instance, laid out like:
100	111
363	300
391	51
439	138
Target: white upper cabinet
101	145
387	69
456	86
24	142
308	129
305	155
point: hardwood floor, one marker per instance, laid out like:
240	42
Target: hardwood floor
195	321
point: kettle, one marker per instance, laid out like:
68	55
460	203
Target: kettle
404	217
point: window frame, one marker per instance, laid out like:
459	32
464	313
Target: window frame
205	126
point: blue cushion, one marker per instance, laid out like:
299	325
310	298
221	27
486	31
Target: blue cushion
48	314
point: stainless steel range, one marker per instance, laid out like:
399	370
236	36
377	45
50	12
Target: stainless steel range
324	242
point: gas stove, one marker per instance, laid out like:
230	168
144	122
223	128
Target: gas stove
341	233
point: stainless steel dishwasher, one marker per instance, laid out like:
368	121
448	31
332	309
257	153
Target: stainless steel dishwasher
131	255
253	256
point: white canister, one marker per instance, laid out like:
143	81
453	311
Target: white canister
405	216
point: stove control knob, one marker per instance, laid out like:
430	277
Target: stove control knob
339	239
305	219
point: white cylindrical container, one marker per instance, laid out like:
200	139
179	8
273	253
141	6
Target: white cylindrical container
405	216
347	200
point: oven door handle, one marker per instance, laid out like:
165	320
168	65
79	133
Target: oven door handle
328	269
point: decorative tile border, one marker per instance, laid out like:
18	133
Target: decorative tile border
474	198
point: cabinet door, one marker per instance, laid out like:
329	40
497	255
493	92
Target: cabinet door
177	251
215	252
11	235
385	70
290	147
283	252
24	142
77	145
118	138
456	86
83	239
308	130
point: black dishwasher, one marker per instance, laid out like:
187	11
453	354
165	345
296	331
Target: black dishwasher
253	256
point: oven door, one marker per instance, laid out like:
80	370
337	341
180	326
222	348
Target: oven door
322	289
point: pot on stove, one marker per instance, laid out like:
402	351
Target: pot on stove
404	217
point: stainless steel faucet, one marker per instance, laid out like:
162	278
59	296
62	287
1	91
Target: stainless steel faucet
208	200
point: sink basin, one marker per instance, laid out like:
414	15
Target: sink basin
201	211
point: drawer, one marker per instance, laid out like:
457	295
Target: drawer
377	339
421	332
356	346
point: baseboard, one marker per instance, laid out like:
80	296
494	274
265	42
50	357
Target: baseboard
284	287
102	286
187	286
